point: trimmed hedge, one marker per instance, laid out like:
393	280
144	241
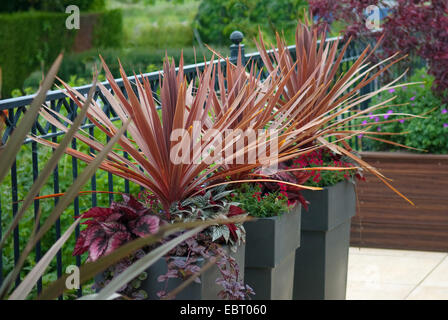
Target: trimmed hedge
50	6
29	40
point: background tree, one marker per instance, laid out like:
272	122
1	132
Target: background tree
414	27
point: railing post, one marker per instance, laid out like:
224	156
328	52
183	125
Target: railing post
236	37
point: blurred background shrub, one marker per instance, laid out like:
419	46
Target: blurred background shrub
429	133
217	19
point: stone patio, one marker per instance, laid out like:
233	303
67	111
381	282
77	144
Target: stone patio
396	275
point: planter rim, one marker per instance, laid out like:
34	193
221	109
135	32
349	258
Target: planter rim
330	207
333	185
329	187
400	155
270	240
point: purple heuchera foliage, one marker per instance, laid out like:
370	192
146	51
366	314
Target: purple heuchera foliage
132	289
233	288
109	228
184	267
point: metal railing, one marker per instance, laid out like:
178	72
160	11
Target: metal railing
58	101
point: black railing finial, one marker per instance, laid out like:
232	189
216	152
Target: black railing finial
236	37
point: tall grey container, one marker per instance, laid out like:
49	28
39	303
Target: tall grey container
321	261
270	250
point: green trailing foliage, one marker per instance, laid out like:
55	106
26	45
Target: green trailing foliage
217	19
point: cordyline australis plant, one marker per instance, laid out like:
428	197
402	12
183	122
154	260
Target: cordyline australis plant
155	157
326	104
301	102
153	165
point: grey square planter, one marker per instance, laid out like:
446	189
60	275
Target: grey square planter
321	261
208	289
270	249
